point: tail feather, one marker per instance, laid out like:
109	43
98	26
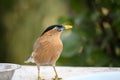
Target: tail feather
29	60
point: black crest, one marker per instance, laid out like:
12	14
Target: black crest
51	27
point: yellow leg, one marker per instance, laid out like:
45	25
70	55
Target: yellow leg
38	72
56	75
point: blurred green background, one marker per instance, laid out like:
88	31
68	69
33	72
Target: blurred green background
93	41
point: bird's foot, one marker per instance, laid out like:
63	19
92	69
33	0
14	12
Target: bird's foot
56	78
39	78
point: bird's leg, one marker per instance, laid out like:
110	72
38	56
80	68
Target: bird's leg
38	66
39	78
56	75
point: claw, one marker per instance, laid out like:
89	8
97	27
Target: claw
40	78
56	78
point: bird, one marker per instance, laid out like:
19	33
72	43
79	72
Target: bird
48	47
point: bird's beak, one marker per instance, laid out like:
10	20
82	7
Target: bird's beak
67	26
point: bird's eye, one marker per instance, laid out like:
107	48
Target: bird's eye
61	29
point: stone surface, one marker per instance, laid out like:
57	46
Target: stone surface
47	72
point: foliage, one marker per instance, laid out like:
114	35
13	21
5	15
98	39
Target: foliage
95	37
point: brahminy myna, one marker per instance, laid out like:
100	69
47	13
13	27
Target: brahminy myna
48	47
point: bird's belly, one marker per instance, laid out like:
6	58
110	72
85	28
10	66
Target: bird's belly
48	53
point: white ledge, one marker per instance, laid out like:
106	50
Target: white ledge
47	72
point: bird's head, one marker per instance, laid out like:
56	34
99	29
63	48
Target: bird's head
57	28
